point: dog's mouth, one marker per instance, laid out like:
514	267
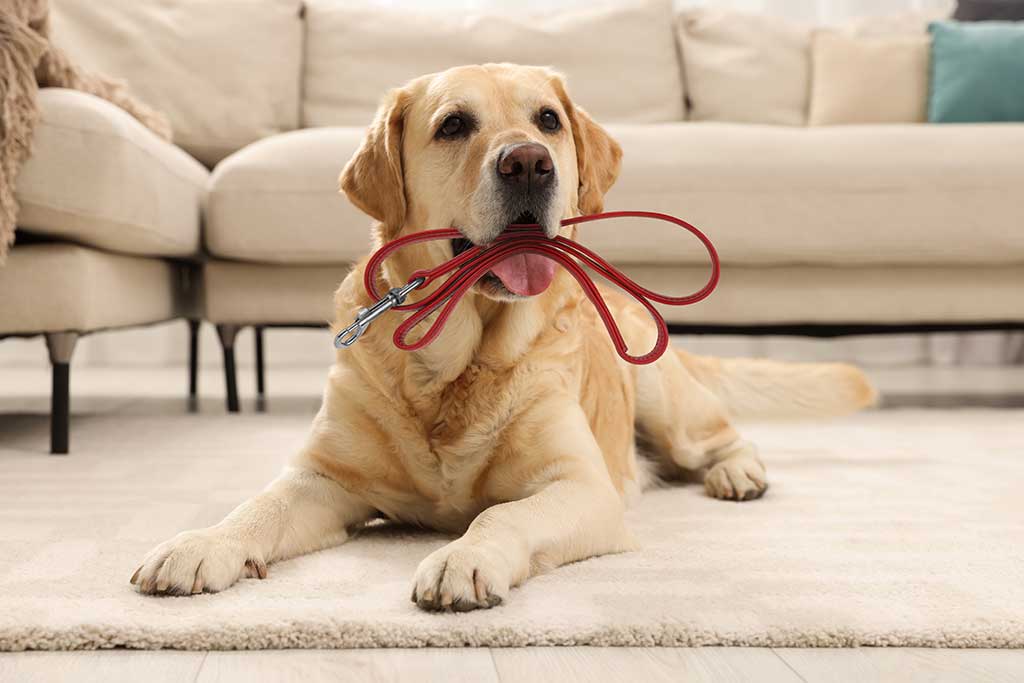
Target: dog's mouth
459	245
519	274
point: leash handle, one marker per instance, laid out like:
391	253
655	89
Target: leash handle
475	262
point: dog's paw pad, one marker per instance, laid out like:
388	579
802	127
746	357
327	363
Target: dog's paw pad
460	577
739	479
193	562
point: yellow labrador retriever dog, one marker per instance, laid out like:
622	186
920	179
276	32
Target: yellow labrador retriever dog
518	426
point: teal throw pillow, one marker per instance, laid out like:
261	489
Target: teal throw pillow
977	72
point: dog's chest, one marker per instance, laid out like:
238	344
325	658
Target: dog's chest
473	409
465	427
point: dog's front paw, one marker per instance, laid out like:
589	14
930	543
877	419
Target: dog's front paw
740	477
460	577
196	561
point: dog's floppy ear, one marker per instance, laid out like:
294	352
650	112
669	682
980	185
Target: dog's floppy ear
598	156
372	179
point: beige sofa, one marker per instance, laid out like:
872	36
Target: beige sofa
110	215
826	230
822	230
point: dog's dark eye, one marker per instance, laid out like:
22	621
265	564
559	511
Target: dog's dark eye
451	126
549	120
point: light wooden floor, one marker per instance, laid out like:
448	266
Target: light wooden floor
527	665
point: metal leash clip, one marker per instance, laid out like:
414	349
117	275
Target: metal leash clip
395	297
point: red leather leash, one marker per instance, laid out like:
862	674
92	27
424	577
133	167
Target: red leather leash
465	269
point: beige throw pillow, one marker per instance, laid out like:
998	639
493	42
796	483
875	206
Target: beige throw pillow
745	67
869	79
225	72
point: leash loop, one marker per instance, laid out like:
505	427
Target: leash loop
465	269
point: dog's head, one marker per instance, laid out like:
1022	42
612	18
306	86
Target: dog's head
479	148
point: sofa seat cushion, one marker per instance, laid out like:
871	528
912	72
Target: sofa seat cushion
252	293
277	201
857	295
55	287
764	194
900	193
99	177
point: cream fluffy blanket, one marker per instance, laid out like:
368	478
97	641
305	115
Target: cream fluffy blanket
27	62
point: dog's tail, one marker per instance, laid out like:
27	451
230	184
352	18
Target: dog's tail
763	388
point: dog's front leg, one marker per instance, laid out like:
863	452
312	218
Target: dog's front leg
573	512
301	511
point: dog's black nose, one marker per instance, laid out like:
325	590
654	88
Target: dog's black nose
526	166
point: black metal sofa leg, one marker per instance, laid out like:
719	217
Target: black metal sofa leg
60	345
193	365
261	403
227	335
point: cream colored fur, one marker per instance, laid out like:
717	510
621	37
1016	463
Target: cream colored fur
517	428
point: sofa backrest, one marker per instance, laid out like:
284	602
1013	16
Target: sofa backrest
229	72
620	58
225	72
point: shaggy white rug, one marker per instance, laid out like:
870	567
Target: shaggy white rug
889	528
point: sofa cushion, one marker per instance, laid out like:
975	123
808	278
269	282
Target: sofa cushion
225	73
621	60
99	177
868	79
835	195
764	194
976	71
66	287
800	294
745	67
277	201
247	293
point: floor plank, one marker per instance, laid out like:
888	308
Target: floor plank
469	665
865	665
102	666
515	665
597	665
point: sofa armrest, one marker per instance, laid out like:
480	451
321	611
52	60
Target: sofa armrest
99	177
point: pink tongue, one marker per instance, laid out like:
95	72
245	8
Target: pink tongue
525	274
